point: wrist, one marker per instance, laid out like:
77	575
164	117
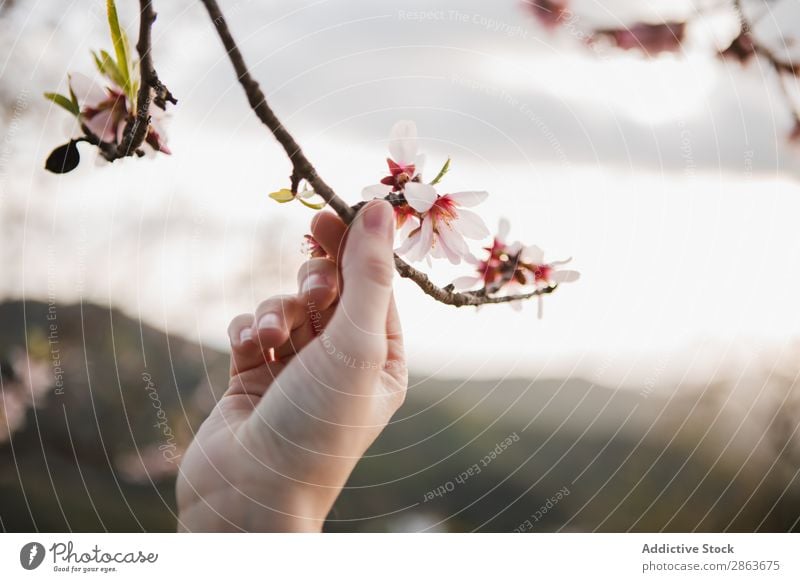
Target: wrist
264	507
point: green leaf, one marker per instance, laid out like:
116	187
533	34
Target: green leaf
312	205
99	63
442	172
113	71
108	67
65	102
75	103
282	196
120	44
133	94
133	72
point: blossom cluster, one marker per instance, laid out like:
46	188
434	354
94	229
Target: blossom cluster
430	224
105	107
433	223
669	36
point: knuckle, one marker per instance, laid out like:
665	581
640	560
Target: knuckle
278	304
316	265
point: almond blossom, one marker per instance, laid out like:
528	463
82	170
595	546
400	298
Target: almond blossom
405	163
511	267
105	111
312	248
543	274
499	268
444	223
650	38
549	13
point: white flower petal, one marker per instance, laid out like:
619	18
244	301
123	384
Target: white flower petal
565	276
408	244
472	259
409	225
403	142
503	229
540	307
514	248
376	191
466	283
420	196
87	92
557	263
533	254
426	237
453	255
437	250
419	164
469	198
420	242
101	126
453	240
470	225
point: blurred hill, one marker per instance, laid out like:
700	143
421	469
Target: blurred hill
89	402
75	463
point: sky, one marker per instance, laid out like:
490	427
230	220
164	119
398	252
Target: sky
668	180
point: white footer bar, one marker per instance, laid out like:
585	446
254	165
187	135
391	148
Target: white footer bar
402	557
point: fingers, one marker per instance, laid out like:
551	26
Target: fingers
275	318
329	230
318	291
317	283
254	337
283	325
367	270
395	358
244	351
240	330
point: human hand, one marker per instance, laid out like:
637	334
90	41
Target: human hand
314	379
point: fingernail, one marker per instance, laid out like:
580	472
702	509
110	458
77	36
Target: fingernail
246	335
378	217
269	321
314	281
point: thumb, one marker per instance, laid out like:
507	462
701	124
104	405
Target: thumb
367	271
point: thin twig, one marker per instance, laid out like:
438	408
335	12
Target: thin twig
303	169
792	102
151	90
465	298
784	69
746	27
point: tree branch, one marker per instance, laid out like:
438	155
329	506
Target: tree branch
447	296
746	27
782	68
303	169
151	90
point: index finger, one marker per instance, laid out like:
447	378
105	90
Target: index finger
329	230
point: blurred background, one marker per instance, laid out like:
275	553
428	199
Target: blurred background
657	393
